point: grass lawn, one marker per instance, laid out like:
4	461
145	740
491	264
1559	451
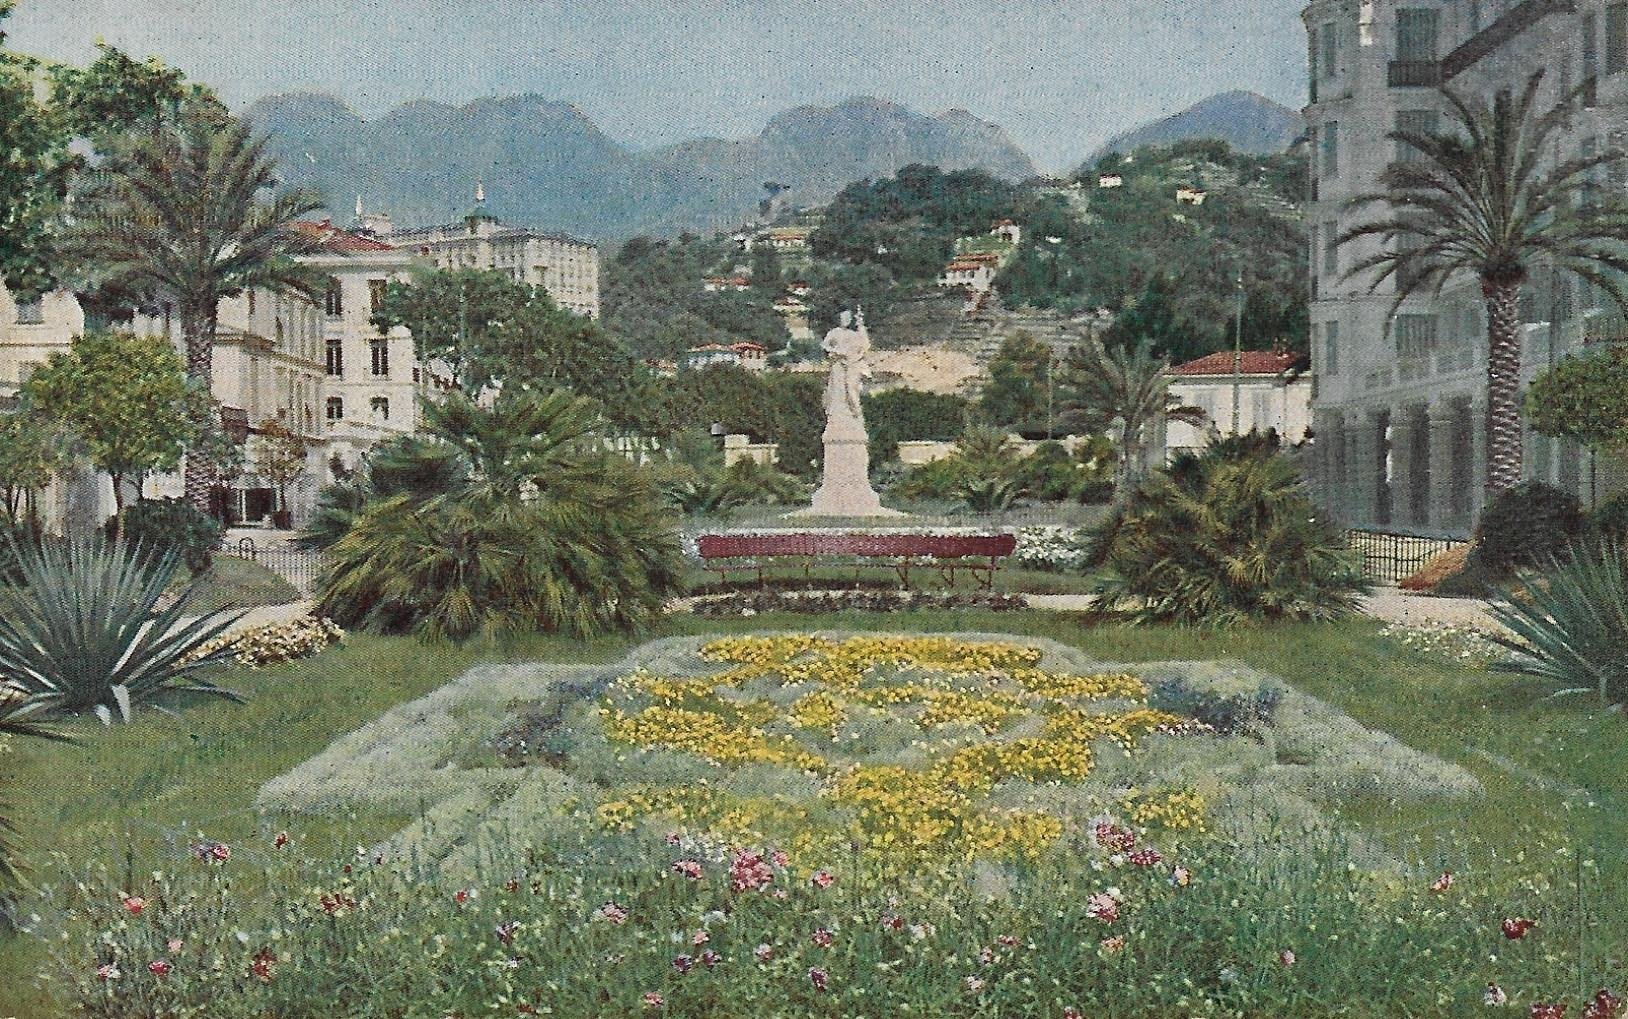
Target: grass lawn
238	583
1551	766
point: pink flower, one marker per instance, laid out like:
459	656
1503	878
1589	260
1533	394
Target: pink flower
1442	883
1007	940
653	1000
505	931
1515	928
134	904
1103	906
212	852
683	963
819	978
763	952
700	938
1113	944
1286	957
175	945
1113	838
749	872
822	879
1072	1013
1146	857
108	971
512	885
463	895
260	966
688	868
1604	1006
780	859
822	938
612	914
1554	1010
986	955
160	968
280	841
709	958
892	922
673	838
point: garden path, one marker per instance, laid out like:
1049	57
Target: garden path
1387	604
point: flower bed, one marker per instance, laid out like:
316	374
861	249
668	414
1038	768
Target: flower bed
275	643
752	603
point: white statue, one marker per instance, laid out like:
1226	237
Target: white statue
845	488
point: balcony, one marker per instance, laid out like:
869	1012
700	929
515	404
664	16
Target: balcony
1515	21
1415	74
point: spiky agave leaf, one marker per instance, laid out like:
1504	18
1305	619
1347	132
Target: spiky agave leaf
1569	624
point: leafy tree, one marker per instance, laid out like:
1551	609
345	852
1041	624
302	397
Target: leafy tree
32	450
1585	398
847	287
1127	386
1153	315
1019	376
1477	203
655	305
34	174
280	457
181	216
533	525
910	415
126	400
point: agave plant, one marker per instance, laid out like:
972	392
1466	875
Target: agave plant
1569	624
18	717
83	630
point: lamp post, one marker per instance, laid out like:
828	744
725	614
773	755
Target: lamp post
1238	355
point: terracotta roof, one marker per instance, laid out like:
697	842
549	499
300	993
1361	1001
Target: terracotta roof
332	239
1254	362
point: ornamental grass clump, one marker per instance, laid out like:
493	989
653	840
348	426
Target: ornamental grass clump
1220	539
82	630
1569	623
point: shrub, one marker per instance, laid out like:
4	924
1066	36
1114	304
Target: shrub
1570	623
1609	520
162	526
1227	713
1217	540
83	631
1526	526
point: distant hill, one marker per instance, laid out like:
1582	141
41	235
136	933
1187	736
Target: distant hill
544	163
1248	122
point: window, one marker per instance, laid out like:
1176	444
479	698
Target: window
380	348
1616	38
1260	411
1331	149
336	355
1316	291
1417	29
334	301
1330	57
381	407
1415	335
1331	348
1425	122
336	408
31	313
1331	249
1475	15
376	290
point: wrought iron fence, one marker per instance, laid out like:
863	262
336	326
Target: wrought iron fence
1389	557
298	566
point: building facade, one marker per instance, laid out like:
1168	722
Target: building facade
1400	405
1270	391
566	267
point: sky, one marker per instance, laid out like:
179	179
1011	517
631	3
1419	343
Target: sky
1061	76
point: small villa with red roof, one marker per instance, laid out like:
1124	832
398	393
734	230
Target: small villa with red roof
1273	393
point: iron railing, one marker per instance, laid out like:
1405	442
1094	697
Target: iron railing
298	566
1388	557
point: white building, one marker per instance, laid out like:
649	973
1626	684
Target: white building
754	357
566	267
1400	416
1272	395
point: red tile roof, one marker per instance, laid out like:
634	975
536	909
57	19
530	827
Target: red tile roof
1254	362
332	239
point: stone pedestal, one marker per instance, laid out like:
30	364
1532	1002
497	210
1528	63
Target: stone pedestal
845	488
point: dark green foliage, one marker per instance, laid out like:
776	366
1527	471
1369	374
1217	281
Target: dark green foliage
1569	621
536	527
768	406
83	630
1610	519
1526	526
170	526
910	415
1052	474
1225	540
1226	713
1019	375
1584	397
655	306
991	495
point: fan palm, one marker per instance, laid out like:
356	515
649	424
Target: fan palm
1128	385
537	527
182	215
1484	200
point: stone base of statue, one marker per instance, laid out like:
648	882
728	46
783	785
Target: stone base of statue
845	487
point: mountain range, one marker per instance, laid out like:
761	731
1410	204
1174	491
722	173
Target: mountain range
544	163
1249	122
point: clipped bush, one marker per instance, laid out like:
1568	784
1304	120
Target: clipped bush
1526	526
162	526
1227	713
1609	520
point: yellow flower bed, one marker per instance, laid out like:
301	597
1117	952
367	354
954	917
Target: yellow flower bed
935	803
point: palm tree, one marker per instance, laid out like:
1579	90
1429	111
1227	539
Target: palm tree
1484	200
1128	385
184	215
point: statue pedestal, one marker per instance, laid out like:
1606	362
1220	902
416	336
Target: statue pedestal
845	488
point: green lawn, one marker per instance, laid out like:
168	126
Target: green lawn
1553	766
238	583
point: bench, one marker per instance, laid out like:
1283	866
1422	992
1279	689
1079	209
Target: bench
978	555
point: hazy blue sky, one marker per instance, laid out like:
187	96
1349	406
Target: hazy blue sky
1060	76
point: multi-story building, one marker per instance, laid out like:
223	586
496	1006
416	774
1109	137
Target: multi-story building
1399	412
566	267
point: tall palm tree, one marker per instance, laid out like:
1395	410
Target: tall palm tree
1484	200
1128	385
185	214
